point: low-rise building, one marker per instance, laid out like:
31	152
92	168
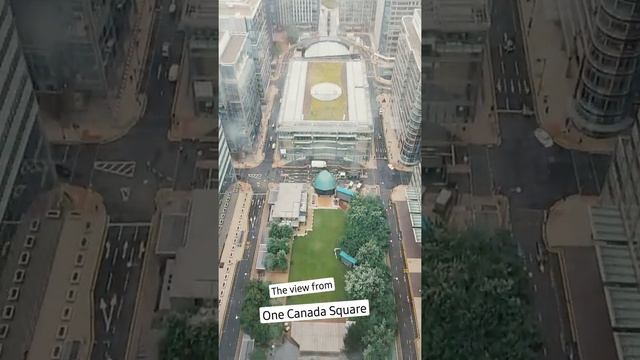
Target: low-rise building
288	204
188	240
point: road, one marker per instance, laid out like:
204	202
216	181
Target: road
116	286
544	175
231	330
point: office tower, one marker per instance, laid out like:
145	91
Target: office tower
25	162
198	22
388	22
226	172
357	15
454	51
303	14
74	47
250	17
614	235
239	109
406	90
603	43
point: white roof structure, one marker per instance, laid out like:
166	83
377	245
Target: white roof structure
356	88
291	201
326	48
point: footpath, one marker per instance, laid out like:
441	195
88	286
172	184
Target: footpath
553	78
390	137
234	247
107	119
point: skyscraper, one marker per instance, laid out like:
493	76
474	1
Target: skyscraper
239	109
608	81
74	46
388	22
25	162
250	17
406	89
357	15
226	172
303	14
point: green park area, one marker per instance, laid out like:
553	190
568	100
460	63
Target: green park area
319	72
331	4
312	256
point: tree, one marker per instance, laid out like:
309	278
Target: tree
257	296
478	306
185	340
378	339
371	254
364	282
280	231
281	260
366	221
276	245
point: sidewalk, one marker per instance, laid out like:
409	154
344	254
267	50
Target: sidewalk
106	120
568	222
553	79
186	124
233	250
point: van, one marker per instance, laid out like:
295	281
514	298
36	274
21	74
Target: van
273	146
165	49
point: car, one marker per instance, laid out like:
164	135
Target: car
543	137
508	44
165	49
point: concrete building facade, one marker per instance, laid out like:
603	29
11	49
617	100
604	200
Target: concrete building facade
388	23
304	14
74	46
26	168
406	90
198	22
239	109
357	15
455	42
250	17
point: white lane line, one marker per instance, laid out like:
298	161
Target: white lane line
109	282
517	69
513	89
115	257
507	103
519	87
502	67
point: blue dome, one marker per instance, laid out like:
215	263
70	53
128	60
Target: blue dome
324	181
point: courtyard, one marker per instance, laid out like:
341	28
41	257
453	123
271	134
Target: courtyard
312	256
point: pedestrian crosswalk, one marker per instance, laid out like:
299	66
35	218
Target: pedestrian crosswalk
122	168
255	176
514	86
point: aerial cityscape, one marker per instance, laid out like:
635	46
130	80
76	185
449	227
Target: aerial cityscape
320	183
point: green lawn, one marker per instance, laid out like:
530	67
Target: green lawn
312	256
331	4
320	72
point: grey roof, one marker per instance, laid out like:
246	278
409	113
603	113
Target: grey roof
291	201
230	47
624	307
195	277
628	345
173	224
607	225
616	264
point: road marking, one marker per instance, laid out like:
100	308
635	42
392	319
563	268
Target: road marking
125	192
115	256
137	224
122	168
517	69
506	99
159	71
526	87
499	86
502	66
107	246
124	249
126	282
512	87
141	252
109	282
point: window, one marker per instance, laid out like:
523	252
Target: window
8	311
83	242
56	352
18	276
66	313
4	330
79	259
62	332
75	277
71	295
14	294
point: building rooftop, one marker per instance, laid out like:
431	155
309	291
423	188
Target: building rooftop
456	15
230	47
290	202
411	25
200	13
195	277
238	8
322	95
173	225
